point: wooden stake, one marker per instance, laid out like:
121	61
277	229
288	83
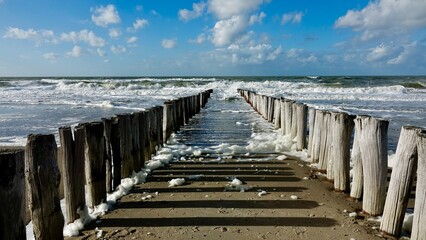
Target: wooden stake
42	176
301	119
311	131
402	178
12	195
419	220
357	174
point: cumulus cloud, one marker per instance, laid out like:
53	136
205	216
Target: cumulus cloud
140	23
379	52
257	18
224	9
52	57
132	39
118	49
76	52
197	10
389	17
86	36
293	17
301	55
114	33
228	30
199	40
39	36
168	43
101	53
104	16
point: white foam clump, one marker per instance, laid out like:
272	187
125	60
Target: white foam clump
176	182
407	225
353	214
281	157
293	197
237	185
262	193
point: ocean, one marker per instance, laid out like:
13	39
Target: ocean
42	105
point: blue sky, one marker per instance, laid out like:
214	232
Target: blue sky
212	37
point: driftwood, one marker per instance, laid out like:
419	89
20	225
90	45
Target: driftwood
374	153
12	195
402	178
418	231
43	177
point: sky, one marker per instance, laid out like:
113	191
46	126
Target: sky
212	37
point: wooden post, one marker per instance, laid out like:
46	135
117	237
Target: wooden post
282	117
142	137
374	154
108	153
159	123
42	177
418	231
325	142
277	113
317	135
73	183
311	131
12	195
402	178
95	163
342	133
301	119
125	145
288	112
136	148
357	175
294	122
116	151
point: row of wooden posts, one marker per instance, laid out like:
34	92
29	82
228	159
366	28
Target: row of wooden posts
328	137
95	154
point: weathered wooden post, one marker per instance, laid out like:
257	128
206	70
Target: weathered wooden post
167	120
357	174
12	194
418	231
271	106
73	182
402	178
159	123
374	154
142	136
108	153
325	142
317	135
342	132
94	166
282	117
288	113
301	118
116	151
294	122
311	131
136	148
277	113
41	169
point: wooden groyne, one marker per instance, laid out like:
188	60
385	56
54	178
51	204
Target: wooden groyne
95	156
328	137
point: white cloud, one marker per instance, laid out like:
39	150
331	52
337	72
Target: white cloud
132	40
197	10
39	36
140	23
52	57
101	53
385	17
257	18
76	52
84	36
103	16
226	31
301	55
224	9
199	40
293	17
114	33
155	13
379	52
118	49
168	43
